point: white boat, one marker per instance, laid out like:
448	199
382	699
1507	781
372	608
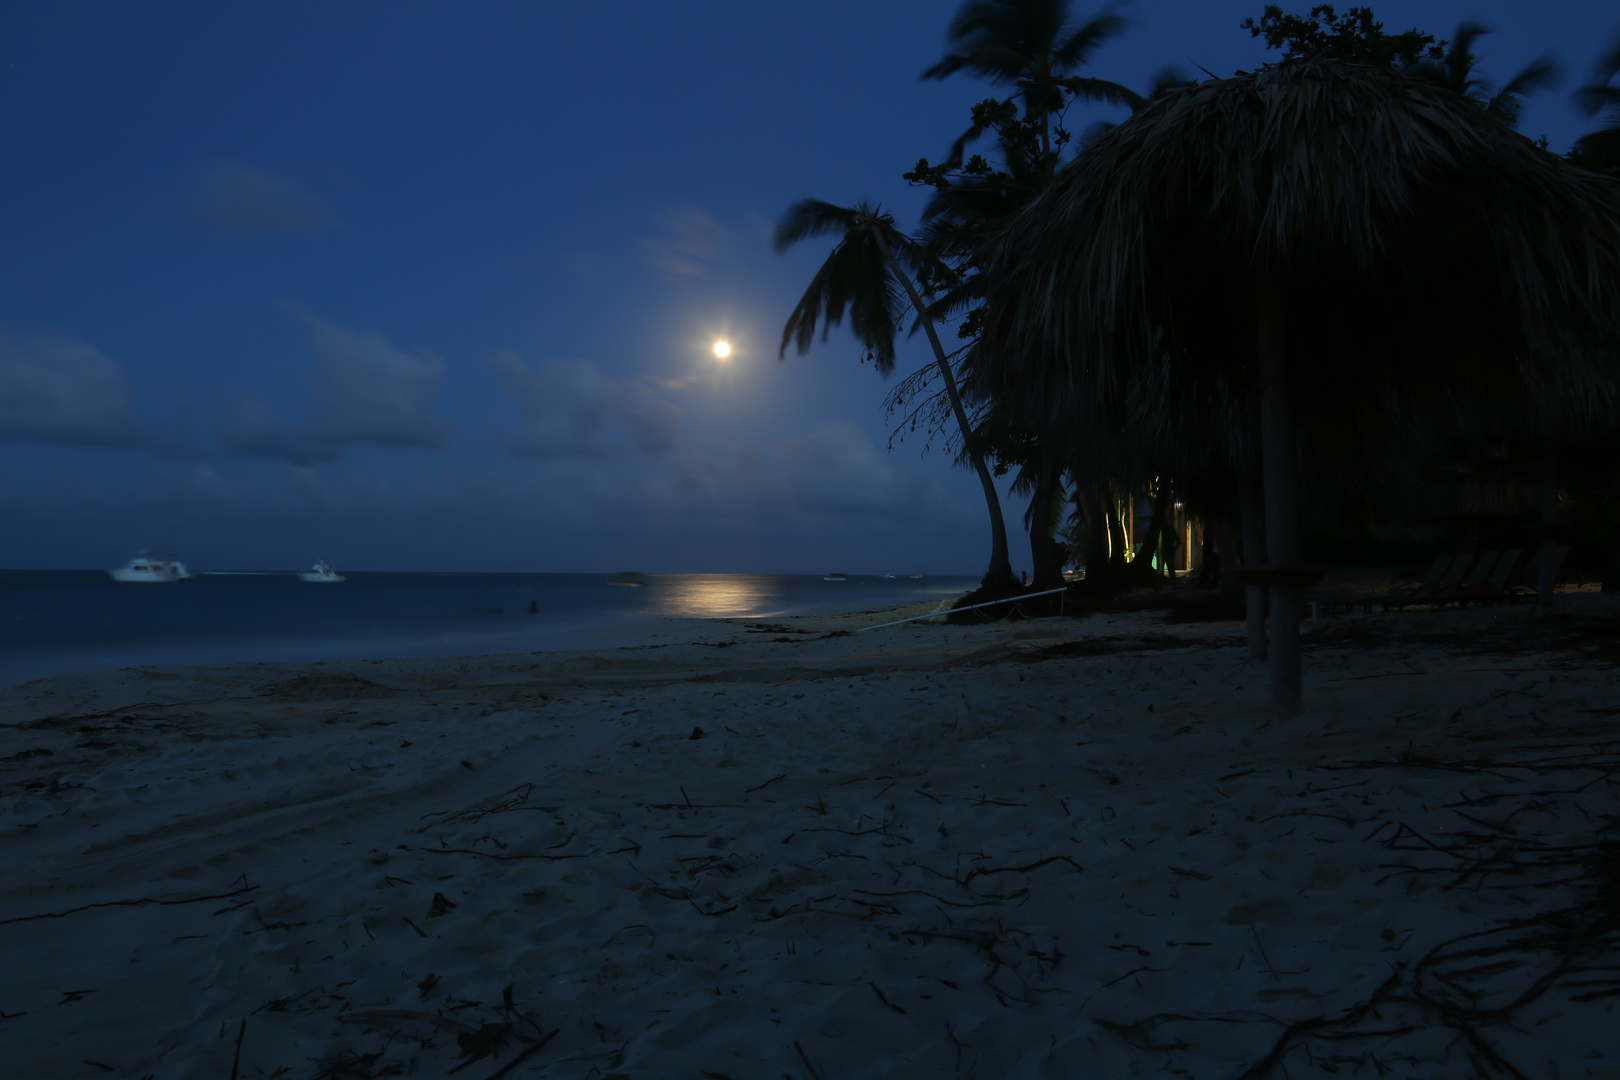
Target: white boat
836	577
148	568
322	572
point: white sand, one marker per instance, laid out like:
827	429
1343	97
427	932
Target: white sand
920	852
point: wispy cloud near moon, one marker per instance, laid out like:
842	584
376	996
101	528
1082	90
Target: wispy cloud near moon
236	200
362	390
690	239
567	406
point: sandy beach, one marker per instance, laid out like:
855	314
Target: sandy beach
1051	848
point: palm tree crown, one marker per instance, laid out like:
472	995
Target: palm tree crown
854	279
1459	72
866	275
1600	149
1030	44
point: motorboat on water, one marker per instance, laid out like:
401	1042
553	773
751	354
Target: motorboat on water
147	568
887	576
836	577
321	573
629	579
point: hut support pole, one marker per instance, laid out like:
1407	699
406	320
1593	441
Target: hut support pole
1280	468
1549	518
1254	554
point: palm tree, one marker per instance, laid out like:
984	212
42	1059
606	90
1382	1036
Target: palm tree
1600	149
864	276
1458	72
1258	247
1029	44
1032	46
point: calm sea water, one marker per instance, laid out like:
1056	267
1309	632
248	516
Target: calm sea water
52	621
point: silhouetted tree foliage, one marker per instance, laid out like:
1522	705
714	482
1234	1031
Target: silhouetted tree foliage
1121	359
1031	45
872	274
1459	72
1124	299
1599	150
1356	36
1034	47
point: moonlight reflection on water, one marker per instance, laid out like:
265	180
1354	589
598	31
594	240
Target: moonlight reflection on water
717	596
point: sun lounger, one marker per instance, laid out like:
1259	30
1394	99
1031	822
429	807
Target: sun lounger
1528	577
1473	582
1489	586
1447	582
1421	593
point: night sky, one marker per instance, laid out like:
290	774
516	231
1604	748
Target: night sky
433	286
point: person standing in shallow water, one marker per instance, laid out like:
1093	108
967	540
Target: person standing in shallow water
534	607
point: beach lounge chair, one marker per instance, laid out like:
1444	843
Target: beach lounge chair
1425	593
1528	577
1473	582
1490	586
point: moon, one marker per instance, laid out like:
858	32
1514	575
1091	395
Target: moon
722	349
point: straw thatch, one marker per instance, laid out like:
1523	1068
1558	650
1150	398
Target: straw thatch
1441	276
1343	264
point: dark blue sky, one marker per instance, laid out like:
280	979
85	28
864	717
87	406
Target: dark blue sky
432	286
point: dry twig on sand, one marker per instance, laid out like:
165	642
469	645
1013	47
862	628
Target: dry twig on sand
1476	981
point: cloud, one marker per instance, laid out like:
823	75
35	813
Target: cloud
251	427
362	390
57	390
836	469
233	199
365	391
690	238
565	404
569	408
653	424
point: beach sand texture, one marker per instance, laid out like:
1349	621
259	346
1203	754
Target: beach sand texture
1057	848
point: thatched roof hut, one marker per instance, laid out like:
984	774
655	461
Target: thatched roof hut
1382	258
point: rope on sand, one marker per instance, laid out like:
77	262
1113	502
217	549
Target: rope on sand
970	607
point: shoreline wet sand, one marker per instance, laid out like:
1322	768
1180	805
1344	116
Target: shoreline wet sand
1055	847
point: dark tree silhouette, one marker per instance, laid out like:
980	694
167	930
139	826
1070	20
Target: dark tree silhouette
1035	47
1031	45
1459	72
1356	36
1260	246
1600	150
866	276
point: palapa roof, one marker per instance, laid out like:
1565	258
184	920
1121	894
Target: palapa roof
1443	277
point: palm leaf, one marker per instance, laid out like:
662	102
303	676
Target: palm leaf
810	218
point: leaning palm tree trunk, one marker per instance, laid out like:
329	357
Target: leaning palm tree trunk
1000	566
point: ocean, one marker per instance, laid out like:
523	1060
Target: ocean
66	620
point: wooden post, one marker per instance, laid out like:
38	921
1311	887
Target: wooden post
1549	518
1281	474
1254	554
